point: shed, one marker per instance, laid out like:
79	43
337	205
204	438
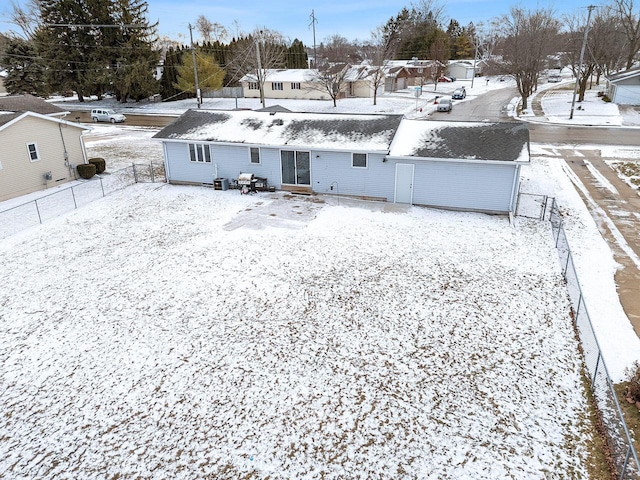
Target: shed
623	88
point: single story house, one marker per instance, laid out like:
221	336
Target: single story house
359	81
623	88
295	83
39	150
469	166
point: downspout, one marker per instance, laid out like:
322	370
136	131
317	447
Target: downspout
514	194
66	153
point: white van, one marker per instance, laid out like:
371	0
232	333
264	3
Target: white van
106	115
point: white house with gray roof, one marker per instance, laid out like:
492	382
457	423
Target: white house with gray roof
457	165
623	88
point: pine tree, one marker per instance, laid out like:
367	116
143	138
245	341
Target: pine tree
133	75
25	71
296	55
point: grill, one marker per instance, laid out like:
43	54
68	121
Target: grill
248	183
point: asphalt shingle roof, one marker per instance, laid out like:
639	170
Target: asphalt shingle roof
28	103
507	141
311	130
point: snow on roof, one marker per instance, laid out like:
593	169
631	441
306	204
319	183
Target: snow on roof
508	141
288	75
624	75
310	130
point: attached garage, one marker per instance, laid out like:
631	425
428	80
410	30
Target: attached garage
459	165
624	88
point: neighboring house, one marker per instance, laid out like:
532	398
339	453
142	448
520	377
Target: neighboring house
457	165
3	74
359	81
401	74
39	150
396	77
623	88
295	84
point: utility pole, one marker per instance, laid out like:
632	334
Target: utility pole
195	68
584	46
314	20
260	82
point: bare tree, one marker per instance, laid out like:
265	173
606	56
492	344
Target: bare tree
527	39
267	45
378	51
337	48
218	32
26	18
205	27
439	54
629	16
330	79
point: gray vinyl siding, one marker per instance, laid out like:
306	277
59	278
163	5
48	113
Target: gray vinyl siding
228	160
377	180
466	186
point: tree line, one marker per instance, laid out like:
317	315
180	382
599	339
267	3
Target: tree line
94	47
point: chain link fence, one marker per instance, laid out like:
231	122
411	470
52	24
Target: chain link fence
616	432
20	217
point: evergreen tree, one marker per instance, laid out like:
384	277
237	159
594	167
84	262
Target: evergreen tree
133	75
25	71
210	75
296	56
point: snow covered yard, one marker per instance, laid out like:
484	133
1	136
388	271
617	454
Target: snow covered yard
155	334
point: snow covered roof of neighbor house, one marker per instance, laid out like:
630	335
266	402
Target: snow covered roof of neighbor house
507	141
634	72
310	130
28	103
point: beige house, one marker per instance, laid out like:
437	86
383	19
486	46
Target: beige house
39	150
297	84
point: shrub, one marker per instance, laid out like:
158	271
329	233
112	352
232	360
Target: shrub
100	164
86	170
633	377
606	98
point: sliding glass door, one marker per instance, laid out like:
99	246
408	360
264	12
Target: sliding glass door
296	167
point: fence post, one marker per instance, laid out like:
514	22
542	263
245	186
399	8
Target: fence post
153	180
578	309
595	372
102	186
135	175
75	205
38	210
626	462
566	267
543	210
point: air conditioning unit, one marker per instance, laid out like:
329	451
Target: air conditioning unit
48	176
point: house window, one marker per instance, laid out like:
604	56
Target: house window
253	86
199	152
295	85
254	154
359	160
276	86
296	167
32	148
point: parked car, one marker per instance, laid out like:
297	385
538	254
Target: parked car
106	115
459	94
444	105
555	78
447	79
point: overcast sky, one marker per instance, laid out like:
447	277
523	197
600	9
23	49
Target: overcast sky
352	19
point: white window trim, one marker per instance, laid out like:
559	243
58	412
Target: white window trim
295	86
259	156
37	152
199	151
279	84
253	86
366	160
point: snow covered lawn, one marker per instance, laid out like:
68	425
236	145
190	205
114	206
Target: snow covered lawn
180	332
